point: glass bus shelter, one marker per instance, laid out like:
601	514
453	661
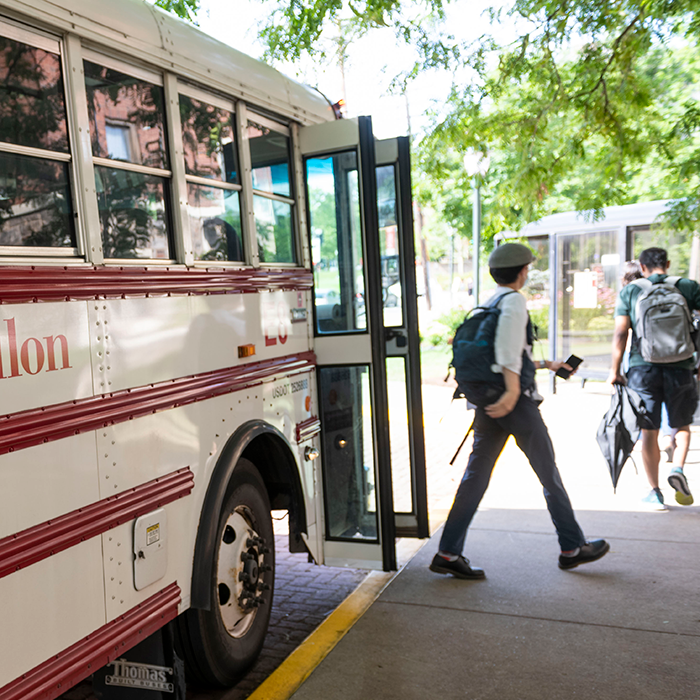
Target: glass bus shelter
575	279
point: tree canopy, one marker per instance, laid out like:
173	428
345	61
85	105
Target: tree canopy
580	103
186	9
584	104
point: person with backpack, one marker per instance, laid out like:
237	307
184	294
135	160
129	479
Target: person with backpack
495	371
657	309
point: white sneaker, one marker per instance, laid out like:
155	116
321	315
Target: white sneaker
654	501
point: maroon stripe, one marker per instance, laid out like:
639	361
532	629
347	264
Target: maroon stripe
58	674
308	429
37	426
29	283
42	541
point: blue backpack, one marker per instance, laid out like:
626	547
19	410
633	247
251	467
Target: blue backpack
473	354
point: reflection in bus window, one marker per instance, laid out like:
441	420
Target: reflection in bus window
127	125
273	224
35	196
207	139
336	243
32	107
119	142
389	246
136	106
132	214
215	223
269	155
35	203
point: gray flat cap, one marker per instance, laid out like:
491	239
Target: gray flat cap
510	255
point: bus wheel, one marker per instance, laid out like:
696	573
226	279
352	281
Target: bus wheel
220	644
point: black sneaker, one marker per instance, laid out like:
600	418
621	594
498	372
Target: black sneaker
459	568
587	552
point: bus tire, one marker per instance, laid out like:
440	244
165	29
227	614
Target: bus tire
220	644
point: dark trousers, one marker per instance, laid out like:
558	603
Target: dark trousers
525	423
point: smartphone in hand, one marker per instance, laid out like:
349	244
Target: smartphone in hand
573	362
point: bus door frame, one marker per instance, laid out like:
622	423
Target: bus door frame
369	347
403	340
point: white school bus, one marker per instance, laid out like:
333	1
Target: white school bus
197	327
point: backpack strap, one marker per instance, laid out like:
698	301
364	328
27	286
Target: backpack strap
643	283
490	304
500	298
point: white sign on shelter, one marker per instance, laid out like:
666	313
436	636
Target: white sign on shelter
585	290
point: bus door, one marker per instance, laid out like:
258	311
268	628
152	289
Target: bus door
400	324
351	343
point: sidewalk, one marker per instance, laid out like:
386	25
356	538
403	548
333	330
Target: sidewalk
627	626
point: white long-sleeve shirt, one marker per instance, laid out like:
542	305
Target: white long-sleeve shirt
511	332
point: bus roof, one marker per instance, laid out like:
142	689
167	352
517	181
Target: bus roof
138	30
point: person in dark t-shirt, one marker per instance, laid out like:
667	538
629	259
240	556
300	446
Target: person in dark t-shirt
672	383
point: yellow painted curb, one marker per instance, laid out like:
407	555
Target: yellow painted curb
300	664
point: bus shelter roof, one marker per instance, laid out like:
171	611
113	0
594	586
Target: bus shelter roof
639	214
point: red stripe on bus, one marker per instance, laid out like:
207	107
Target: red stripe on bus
59	673
21	284
308	429
36	426
58	534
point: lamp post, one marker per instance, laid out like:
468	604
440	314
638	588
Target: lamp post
476	164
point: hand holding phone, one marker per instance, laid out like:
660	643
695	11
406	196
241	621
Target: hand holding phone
573	362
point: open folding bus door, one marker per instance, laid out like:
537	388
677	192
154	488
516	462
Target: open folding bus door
351	344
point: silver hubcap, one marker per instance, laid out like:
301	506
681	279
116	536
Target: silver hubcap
242	572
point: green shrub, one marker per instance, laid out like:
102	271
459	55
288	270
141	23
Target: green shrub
444	327
604	325
540	318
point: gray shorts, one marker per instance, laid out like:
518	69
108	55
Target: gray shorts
660	384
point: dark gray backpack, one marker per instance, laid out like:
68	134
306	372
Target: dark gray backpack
664	326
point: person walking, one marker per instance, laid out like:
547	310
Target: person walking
667	443
659	380
515	413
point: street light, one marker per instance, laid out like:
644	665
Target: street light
476	164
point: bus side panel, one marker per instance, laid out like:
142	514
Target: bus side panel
43	482
285	404
49	606
137	451
121	594
44	355
155	340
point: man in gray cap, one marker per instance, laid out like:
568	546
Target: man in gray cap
515	413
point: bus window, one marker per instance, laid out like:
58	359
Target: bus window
207	139
348	462
211	167
273	225
35	197
127	127
215	223
389	245
272	184
336	243
269	155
